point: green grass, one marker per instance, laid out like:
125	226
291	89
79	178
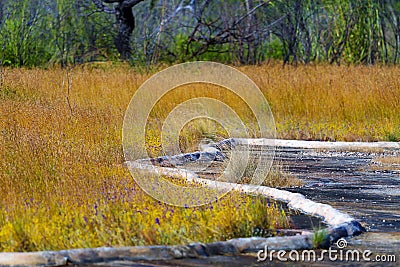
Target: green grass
319	239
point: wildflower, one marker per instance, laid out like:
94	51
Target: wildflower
157	221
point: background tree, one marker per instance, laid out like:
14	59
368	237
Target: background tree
48	32
126	20
22	42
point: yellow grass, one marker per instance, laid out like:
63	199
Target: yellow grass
391	160
279	176
385	163
333	103
356	103
62	175
63	181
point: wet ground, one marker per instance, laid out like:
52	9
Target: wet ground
357	183
350	181
353	182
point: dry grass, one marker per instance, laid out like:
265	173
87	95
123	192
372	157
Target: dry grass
385	163
63	182
375	150
278	175
332	103
391	160
62	175
329	103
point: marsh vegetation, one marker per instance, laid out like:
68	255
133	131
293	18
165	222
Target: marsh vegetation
62	175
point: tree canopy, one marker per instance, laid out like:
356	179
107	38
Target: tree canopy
48	32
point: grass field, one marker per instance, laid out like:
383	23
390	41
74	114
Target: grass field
61	170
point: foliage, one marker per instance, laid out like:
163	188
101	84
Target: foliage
42	33
22	43
320	239
37	33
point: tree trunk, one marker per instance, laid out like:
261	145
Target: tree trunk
126	20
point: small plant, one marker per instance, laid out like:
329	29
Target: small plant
393	137
391	160
320	239
279	176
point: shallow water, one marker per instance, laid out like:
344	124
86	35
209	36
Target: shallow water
349	181
352	182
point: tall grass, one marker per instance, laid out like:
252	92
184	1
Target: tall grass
322	102
62	175
355	103
61	172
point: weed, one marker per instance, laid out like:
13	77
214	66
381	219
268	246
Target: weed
393	137
320	239
385	163
389	160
